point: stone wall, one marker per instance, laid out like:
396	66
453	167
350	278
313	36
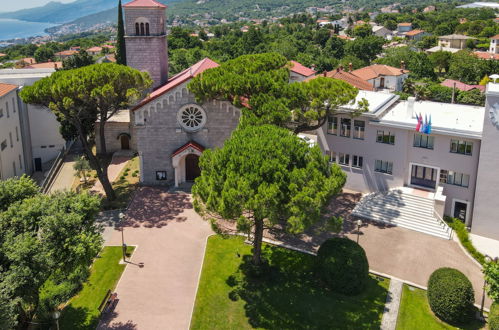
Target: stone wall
112	134
161	134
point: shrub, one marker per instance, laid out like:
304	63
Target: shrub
342	265
464	237
494	316
440	93
134	174
450	295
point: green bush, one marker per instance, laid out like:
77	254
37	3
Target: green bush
494	316
464	237
440	93
450	295
342	265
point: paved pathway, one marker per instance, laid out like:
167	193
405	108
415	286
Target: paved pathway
390	313
118	163
170	239
66	175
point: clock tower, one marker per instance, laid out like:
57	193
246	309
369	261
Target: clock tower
485	218
145	39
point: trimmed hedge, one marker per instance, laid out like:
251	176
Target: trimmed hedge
494	316
464	237
342	265
450	295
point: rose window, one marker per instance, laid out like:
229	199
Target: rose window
191	117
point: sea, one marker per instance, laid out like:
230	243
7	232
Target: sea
13	28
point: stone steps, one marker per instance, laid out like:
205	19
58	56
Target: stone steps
402	209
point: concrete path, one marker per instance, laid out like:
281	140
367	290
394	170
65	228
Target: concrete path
170	239
487	246
391	311
118	163
66	175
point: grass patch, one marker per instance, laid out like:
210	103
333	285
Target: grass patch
124	186
82	310
415	313
288	296
464	237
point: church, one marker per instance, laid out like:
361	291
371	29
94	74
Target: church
168	129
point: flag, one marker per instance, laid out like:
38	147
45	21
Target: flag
428	128
418	125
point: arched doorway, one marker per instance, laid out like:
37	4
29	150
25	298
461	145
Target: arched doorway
192	170
125	142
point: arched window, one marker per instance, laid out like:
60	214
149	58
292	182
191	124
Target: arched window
147	29
142	31
137	31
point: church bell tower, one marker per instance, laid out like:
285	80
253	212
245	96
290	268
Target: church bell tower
145	39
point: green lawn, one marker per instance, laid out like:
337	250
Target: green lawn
415	313
82	311
286	298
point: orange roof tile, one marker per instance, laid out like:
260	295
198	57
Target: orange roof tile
6	88
376	70
179	78
301	69
46	65
2	54
94	49
486	56
29	60
66	53
404	24
145	3
414	32
347	77
495	37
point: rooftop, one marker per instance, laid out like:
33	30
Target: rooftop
121	116
456	37
46	65
301	69
461	86
404	24
145	3
446	118
414	32
378	101
6	89
376	70
350	78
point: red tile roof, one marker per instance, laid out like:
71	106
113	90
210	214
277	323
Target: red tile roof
179	78
404	24
191	144
46	65
347	77
301	69
29	60
2	54
495	37
414	32
94	49
461	86
145	3
6	88
486	56
66	53
376	70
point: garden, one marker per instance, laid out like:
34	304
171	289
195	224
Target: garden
285	292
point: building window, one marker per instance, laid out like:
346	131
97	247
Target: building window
461	147
7	109
343	159
3	145
383	166
1	113
345	127
17	134
423	141
13	106
191	117
160	175
10	139
332	125
454	178
358	129
14	168
147	29
357	161
142	30
332	156
386	137
20	162
137	29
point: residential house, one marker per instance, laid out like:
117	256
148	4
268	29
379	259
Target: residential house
494	45
416	34
12	162
403	28
299	72
486	55
451	43
347	77
65	54
382	31
429	9
382	76
461	86
94	50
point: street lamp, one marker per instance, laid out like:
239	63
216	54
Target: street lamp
359	224
56	314
122	225
487	260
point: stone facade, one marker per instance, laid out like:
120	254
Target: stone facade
159	134
147	51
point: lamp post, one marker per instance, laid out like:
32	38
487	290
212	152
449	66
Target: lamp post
56	314
487	260
359	224
122	225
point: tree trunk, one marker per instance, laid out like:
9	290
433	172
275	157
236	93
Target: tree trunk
102	137
95	163
257	242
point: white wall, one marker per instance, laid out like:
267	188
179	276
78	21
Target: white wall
45	137
11	157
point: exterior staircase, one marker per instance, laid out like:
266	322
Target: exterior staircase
398	207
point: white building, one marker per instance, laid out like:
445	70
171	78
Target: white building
382	76
11	146
494	45
39	126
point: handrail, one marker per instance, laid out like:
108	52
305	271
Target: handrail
54	169
442	221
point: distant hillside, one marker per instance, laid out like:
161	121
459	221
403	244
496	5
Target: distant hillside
56	12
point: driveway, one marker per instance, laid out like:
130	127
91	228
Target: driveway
170	239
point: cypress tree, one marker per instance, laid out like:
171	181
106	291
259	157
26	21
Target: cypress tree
120	45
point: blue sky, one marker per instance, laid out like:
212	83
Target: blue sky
22	4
